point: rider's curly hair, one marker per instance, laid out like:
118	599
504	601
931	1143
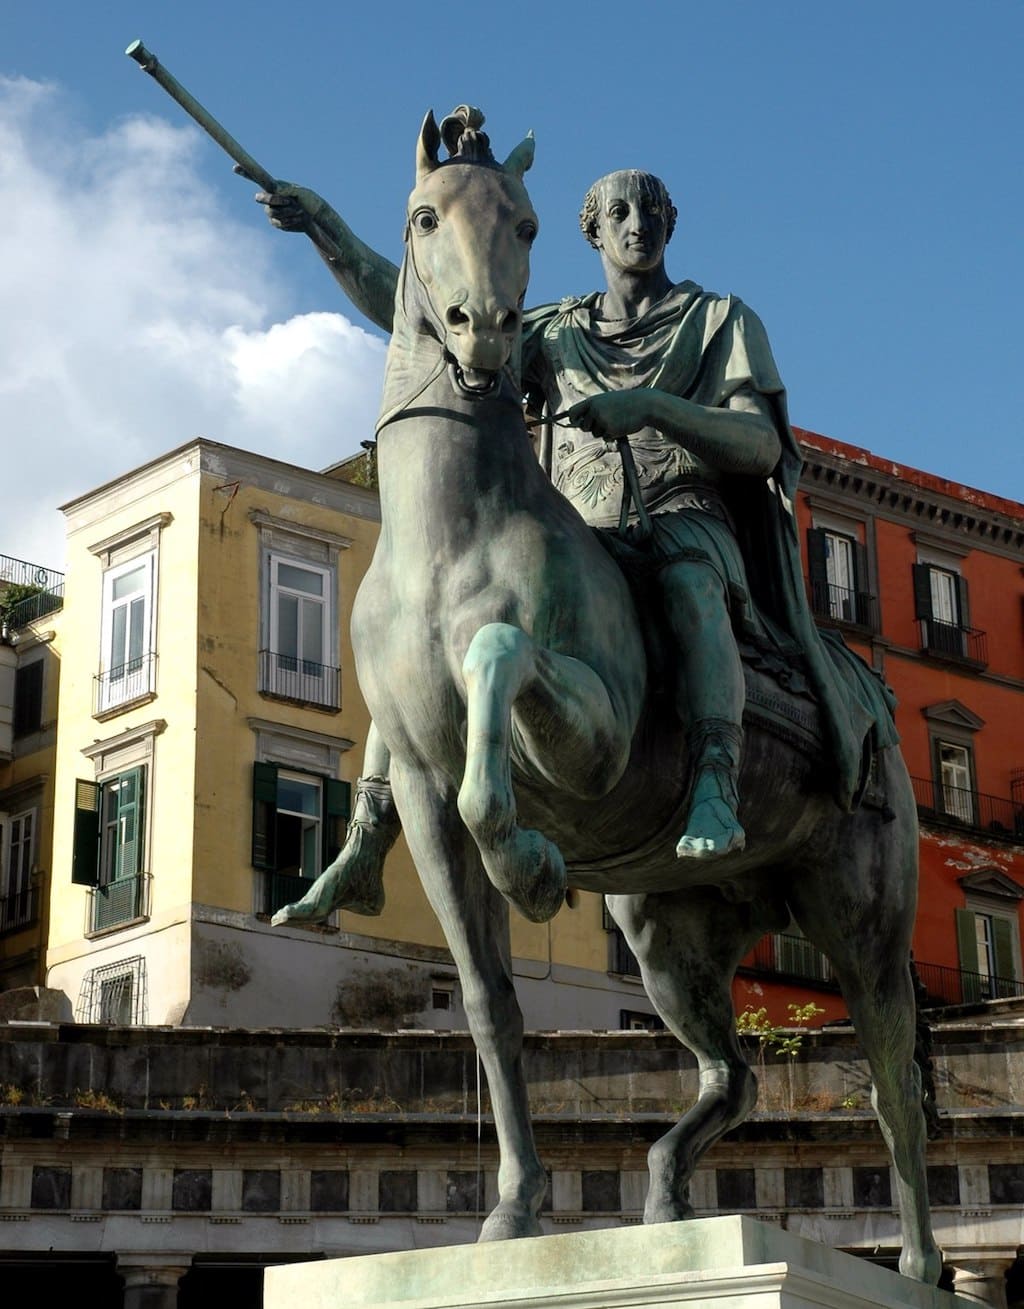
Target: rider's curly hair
651	188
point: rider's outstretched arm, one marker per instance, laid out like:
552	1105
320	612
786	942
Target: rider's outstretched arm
367	278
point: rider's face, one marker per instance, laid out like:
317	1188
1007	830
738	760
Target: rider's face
632	227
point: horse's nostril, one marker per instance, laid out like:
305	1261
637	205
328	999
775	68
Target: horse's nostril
510	323
455	317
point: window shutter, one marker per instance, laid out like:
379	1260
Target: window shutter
607	921
85	855
28	698
961	592
337	809
1002	949
264	816
968	952
817	568
922	591
129	824
862	600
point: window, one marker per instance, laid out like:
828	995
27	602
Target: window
838	568
109	848
17	848
114	993
297	828
953	768
28	698
127	663
988	953
941	605
298	664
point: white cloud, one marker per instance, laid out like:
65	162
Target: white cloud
137	314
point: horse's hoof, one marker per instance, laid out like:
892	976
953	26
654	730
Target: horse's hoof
668	1213
921	1265
529	871
506	1225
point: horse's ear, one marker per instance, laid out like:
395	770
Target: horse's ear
521	157
427	146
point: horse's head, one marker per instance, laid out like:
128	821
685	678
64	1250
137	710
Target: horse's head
469	229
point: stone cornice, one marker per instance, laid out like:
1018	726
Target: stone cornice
961	522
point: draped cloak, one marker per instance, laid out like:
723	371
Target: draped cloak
707	348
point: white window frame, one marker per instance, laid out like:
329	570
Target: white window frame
282	541
841	575
298	675
134	675
956	779
314	783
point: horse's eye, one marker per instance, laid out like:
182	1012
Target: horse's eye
424	220
527	232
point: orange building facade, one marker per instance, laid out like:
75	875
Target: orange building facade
924	578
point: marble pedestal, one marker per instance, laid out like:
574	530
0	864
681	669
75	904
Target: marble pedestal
712	1263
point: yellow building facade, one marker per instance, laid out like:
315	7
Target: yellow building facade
210	733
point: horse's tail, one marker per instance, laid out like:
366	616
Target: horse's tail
923	1056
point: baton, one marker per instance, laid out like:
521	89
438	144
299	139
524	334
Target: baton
149	63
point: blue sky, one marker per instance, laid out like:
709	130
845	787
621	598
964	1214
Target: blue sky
851	170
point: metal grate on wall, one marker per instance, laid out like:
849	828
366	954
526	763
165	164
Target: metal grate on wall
114	994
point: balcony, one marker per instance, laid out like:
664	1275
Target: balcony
953	643
302	681
124	685
790	958
17	909
992	816
838	604
36	606
943	986
123	901
794	959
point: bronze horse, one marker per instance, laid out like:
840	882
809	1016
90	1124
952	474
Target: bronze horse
501	654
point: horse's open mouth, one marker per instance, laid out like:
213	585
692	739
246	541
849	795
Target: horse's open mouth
473	382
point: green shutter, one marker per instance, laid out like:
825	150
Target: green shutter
922	591
968	949
962	604
130	810
85	856
817	569
1002	949
264	816
337	809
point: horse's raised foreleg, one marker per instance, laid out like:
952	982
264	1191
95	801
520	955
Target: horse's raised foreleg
689	946
474	918
567	729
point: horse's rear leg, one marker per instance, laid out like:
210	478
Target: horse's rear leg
689	946
861	914
475	923
567	729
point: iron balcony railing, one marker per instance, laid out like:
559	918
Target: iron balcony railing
956	806
841	605
122	901
17	909
280	889
792	958
943	985
35	606
21	573
128	681
966	645
291	678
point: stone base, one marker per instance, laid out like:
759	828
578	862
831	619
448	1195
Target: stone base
711	1263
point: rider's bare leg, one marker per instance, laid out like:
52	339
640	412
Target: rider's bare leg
710	697
355	880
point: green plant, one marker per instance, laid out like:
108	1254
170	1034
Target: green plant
783	1040
13	594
